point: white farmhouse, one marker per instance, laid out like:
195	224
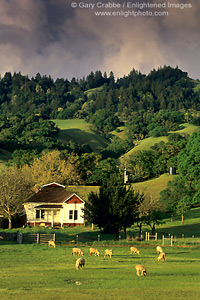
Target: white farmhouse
52	206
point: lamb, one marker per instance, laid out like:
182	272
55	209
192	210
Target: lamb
108	252
80	263
141	271
161	256
134	250
78	251
94	251
158	249
52	243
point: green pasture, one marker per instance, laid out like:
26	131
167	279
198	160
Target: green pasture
83	190
31	271
153	187
147	143
81	132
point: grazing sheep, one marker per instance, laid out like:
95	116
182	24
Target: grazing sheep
158	249
108	252
52	243
141	271
134	250
80	263
78	251
94	251
161	256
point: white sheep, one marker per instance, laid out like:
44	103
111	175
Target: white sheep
80	263
141	270
134	250
52	243
78	251
94	251
162	256
158	249
108	252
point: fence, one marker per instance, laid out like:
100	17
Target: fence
39	238
154	236
171	239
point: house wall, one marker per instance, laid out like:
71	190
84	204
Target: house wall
72	206
64	214
30	213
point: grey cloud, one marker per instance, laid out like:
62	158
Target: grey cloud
50	37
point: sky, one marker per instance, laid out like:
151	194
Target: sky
71	38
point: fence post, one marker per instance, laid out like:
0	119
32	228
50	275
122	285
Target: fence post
156	237
54	237
146	236
171	240
98	237
77	239
163	240
38	238
19	237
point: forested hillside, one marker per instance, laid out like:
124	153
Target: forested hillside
142	106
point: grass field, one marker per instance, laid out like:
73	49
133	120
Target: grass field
81	132
31	271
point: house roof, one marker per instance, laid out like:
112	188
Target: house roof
49	206
51	194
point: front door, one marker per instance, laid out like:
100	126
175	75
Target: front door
56	216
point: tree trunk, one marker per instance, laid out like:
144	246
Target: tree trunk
182	218
172	217
153	228
140	228
124	231
9	223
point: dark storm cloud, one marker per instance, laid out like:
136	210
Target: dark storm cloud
50	37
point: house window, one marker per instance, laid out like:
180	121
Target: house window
71	214
40	214
37	214
75	214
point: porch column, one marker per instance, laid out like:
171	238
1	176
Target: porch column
52	218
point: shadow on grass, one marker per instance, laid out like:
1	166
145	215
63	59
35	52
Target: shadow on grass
95	141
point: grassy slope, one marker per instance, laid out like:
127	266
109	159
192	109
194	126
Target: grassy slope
149	188
153	187
81	132
147	143
83	191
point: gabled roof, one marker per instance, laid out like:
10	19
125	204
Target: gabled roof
51	193
53	184
71	198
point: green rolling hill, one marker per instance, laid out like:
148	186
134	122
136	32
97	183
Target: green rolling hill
147	143
81	132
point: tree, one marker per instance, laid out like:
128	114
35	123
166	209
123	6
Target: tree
150	213
183	192
53	166
114	208
15	190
